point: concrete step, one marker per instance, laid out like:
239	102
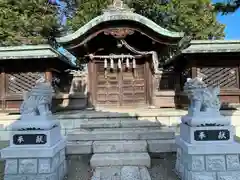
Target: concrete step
121	134
161	146
151	146
118	123
79	147
120	159
119	146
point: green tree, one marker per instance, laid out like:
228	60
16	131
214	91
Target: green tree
86	10
227	7
31	21
194	17
25	21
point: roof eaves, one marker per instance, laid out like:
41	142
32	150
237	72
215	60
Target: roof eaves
32	52
118	16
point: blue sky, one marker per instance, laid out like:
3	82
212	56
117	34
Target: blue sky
232	22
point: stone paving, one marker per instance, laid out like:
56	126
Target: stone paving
79	168
161	168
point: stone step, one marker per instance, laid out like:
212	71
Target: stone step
79	147
121	134
118	123
161	146
119	146
120	159
94	115
151	146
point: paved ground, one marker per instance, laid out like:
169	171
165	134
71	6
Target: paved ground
79	168
162	167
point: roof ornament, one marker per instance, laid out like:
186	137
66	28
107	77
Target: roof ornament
118	6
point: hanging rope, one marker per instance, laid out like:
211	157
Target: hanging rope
153	53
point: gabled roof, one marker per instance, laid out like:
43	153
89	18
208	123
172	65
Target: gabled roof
212	46
32	52
119	13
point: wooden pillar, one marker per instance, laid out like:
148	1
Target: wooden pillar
3	88
194	72
48	75
91	83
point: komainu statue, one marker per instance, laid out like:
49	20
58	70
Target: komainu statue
38	101
204	108
202	98
35	109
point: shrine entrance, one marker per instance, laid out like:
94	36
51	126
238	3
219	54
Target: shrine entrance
121	82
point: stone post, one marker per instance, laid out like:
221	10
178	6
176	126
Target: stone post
206	149
37	149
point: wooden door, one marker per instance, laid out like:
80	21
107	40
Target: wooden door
107	86
133	87
121	87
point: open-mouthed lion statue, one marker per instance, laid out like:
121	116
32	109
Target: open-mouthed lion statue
35	109
38	100
204	107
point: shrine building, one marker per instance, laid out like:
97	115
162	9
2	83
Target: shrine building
126	61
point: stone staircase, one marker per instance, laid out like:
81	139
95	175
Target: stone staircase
120	141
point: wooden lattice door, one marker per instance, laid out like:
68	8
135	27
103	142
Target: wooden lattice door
107	86
120	87
133	88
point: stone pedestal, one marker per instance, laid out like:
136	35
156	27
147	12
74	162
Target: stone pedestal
35	155
207	153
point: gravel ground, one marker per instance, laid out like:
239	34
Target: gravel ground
162	167
79	168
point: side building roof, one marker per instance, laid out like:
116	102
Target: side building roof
33	52
202	47
212	46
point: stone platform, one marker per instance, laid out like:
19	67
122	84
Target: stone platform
35	154
208	162
34	163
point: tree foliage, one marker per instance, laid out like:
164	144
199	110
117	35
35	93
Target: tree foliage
227	7
86	10
31	21
25	21
194	17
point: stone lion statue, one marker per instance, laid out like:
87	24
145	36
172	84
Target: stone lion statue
202	98
38	100
35	109
204	107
